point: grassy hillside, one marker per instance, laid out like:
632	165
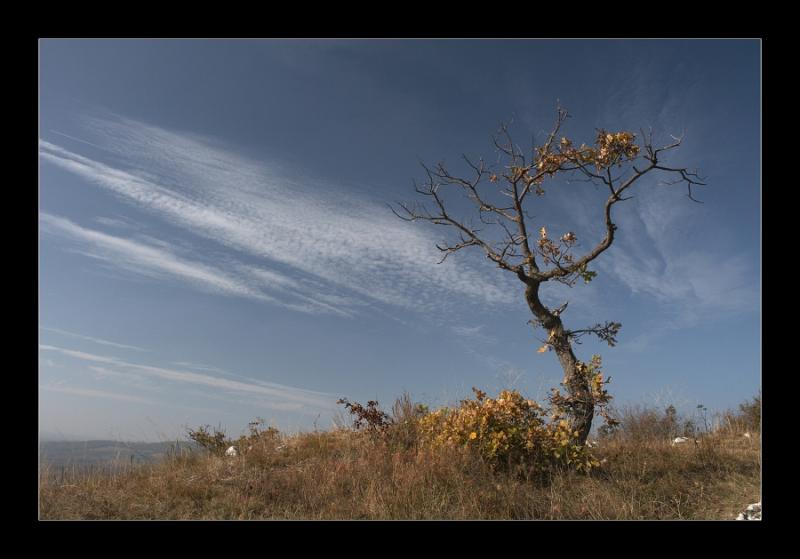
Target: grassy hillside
354	474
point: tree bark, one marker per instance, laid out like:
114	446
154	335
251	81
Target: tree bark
581	412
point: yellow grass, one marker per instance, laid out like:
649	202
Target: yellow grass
342	474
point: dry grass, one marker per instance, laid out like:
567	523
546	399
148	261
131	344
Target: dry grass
342	474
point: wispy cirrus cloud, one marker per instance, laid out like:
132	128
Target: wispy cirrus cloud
475	333
660	257
157	261
115	222
129	379
92	339
199	366
664	249
101	373
669	251
272	395
330	246
319	249
92	393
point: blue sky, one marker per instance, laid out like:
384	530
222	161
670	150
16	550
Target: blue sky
216	245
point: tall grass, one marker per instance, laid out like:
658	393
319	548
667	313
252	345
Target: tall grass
348	474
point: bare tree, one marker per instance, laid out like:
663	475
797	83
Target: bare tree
507	235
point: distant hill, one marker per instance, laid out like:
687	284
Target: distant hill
95	453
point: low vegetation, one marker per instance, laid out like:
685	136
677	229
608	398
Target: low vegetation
448	464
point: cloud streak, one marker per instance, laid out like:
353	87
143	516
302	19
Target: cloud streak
91	393
659	258
91	339
277	395
311	240
158	261
314	248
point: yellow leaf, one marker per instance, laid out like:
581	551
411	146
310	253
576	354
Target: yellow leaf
542	349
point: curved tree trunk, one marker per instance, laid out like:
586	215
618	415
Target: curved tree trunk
582	408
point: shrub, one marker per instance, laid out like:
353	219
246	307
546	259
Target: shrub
747	418
645	423
217	442
212	439
507	431
513	431
371	417
258	437
750	412
404	432
400	430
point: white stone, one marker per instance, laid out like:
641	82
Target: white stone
752	512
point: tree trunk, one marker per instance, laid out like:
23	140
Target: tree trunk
577	386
